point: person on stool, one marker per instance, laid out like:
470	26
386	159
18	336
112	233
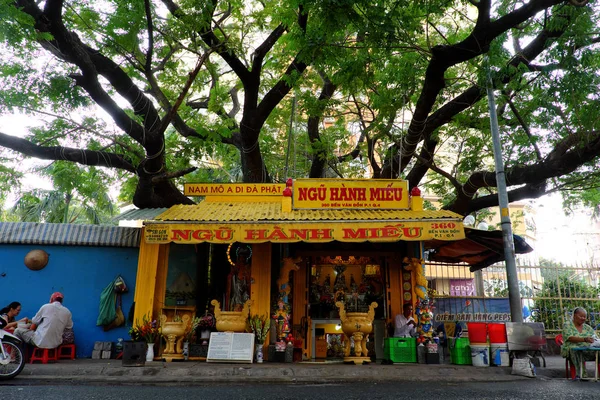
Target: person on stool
404	324
48	325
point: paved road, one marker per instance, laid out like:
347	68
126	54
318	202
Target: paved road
530	390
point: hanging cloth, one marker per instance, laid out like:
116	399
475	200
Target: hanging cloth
108	302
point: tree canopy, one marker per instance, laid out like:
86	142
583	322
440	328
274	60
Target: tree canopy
162	91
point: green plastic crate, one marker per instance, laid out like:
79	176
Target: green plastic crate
461	343
400	350
460	352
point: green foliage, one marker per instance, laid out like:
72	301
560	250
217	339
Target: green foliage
377	55
574	290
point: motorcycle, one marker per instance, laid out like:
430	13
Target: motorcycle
12	359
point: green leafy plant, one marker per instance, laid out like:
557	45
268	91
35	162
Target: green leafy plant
192	330
569	291
259	325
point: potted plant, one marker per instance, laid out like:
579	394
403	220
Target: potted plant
259	325
189	336
146	331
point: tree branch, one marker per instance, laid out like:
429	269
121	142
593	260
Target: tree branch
84	157
150	35
444	57
191	77
265	47
221	48
525	127
173	175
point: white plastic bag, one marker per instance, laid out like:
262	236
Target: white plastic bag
523	367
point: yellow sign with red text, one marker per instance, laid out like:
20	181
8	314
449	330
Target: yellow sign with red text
233	189
350	193
314	232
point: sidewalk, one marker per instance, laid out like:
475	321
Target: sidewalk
192	372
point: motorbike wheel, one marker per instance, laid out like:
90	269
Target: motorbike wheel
16	360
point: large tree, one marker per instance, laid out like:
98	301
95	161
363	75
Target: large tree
222	90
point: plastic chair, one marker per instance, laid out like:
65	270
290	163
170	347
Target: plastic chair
43	355
570	371
66	351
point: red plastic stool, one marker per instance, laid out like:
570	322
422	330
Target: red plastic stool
43	355
66	352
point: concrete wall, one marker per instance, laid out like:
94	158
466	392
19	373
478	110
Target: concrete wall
80	273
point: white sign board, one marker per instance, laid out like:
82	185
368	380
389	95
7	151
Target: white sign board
231	347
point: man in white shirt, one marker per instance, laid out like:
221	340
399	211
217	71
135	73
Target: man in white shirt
49	323
404	324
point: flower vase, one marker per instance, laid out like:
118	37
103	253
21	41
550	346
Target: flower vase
259	352
186	350
150	352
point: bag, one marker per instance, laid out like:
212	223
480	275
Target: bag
108	302
109	311
120	286
68	336
523	367
119	316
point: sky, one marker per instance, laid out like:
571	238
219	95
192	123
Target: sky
573	239
16	125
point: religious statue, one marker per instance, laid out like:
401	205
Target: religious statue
340	279
238	281
282	312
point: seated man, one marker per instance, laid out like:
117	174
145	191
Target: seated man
405	325
48	324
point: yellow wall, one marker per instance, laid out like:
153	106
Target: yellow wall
261	281
146	280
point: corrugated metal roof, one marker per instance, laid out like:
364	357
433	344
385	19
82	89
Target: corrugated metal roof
257	212
139	214
68	234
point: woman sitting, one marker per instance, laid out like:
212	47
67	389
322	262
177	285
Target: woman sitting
8	314
577	334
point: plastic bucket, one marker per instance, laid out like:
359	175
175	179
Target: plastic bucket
497	332
477	332
480	355
496	350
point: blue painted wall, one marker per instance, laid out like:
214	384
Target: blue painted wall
80	273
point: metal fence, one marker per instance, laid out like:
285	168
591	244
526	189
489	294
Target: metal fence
549	293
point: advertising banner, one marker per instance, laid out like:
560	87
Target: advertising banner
471	310
462	287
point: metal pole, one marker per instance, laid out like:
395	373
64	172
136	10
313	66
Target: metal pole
514	296
289	144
